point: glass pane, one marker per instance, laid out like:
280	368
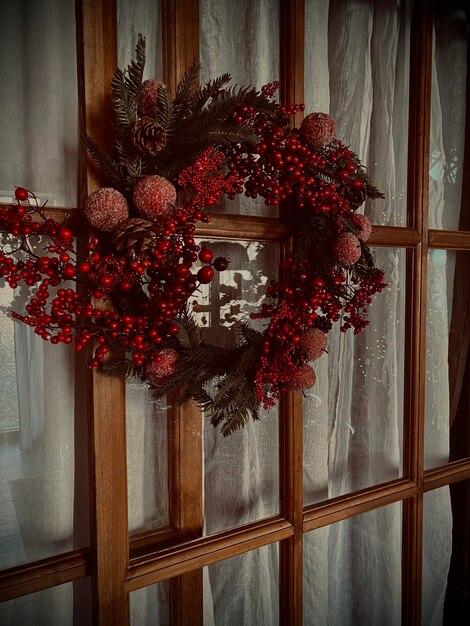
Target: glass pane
43	484
147	458
353	416
241	472
357	70
64	605
446	555
150	606
38	103
447	186
352	571
241	590
447	425
140	16
241	38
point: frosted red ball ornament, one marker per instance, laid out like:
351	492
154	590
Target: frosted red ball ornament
106	208
303	378
346	249
312	344
362	222
148	98
317	129
162	367
154	197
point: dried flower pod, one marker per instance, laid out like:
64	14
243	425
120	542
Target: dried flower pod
106	208
162	367
317	129
312	344
362	222
154	197
148	98
303	378
346	249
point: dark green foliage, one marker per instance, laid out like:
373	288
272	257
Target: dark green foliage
125	86
110	168
121	368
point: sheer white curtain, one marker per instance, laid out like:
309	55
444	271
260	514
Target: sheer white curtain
38	150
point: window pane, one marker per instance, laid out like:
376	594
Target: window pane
64	605
43	483
38	101
446	555
241	472
241	38
352	571
140	16
447	425
357	70
353	416
241	590
147	458
448	190
150	606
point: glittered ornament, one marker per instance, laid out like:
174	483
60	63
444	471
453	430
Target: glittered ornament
148	98
162	367
362	222
346	249
317	129
303	378
154	197
312	344
106	208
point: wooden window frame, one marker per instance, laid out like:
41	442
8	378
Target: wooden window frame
117	565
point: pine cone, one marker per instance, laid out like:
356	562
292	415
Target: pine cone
135	237
148	137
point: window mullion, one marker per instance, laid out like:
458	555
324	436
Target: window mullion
97	56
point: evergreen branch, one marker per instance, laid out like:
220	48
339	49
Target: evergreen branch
165	111
186	86
209	90
124	108
110	168
121	369
135	70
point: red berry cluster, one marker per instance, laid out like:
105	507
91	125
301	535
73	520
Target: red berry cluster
320	187
147	294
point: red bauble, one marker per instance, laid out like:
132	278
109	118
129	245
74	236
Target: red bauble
148	97
205	274
317	129
364	224
303	378
162	367
312	344
21	193
346	249
154	197
106	208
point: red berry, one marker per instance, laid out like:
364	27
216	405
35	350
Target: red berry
84	267
68	271
221	263
21	194
125	285
205	274
206	255
65	234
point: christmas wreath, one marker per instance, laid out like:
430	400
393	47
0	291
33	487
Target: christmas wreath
175	158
